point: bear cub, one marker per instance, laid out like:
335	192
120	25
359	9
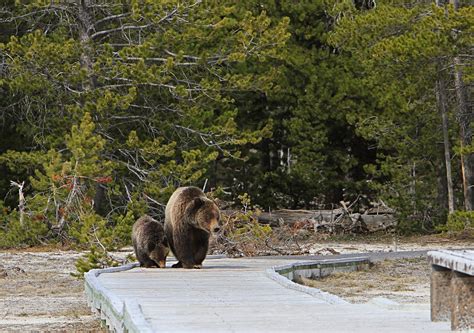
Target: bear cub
190	218
149	242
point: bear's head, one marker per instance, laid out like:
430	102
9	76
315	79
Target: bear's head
204	214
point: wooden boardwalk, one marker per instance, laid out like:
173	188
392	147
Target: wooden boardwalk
237	295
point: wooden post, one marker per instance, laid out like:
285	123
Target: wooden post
440	293
462	303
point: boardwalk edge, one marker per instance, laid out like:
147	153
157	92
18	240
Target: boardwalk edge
119	316
277	273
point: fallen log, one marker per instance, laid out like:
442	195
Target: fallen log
339	220
375	223
289	217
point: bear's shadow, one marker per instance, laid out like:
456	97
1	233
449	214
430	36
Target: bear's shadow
224	267
206	267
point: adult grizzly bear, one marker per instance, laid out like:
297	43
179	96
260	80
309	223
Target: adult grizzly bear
190	218
149	242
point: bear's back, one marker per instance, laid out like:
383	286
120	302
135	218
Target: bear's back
146	229
178	201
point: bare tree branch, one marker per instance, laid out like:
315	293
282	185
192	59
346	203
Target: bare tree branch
110	18
122	28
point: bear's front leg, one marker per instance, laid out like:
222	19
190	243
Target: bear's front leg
191	266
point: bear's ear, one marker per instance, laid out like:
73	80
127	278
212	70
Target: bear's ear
194	206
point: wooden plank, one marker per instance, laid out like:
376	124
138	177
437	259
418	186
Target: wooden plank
236	295
460	260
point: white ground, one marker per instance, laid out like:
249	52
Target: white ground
38	293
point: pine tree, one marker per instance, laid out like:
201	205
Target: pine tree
401	49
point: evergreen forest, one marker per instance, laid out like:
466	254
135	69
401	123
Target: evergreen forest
106	107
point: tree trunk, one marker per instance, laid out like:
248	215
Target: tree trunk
464	118
442	106
86	27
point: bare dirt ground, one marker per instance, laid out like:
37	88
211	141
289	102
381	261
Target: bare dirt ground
38	293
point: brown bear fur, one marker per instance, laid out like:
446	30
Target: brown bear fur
190	218
149	242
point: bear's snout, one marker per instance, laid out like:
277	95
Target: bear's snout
214	226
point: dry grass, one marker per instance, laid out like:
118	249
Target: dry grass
404	281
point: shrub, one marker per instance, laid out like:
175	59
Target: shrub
241	234
459	221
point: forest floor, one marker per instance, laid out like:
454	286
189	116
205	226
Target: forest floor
38	292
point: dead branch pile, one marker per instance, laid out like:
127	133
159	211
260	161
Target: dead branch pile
250	232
